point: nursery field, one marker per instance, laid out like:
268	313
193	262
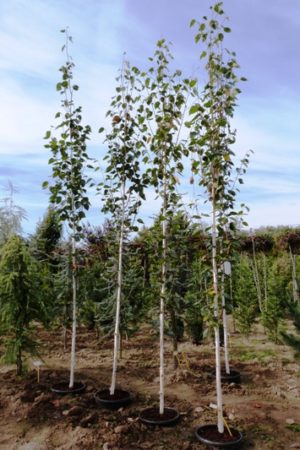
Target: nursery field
265	407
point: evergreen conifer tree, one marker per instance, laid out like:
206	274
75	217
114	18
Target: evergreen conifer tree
20	301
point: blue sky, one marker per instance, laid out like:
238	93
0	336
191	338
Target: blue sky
265	35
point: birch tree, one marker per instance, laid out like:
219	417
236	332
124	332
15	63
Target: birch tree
68	189
123	189
212	138
163	113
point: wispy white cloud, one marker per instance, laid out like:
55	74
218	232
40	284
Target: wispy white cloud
29	40
271	129
30	57
274	212
23	118
266	183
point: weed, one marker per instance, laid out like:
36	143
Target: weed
244	355
294	427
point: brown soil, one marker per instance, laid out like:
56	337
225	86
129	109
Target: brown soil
265	407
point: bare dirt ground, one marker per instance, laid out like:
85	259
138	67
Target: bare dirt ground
265	407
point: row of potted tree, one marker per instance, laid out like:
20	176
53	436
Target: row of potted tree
145	148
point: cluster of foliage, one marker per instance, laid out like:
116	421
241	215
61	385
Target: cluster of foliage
45	256
189	280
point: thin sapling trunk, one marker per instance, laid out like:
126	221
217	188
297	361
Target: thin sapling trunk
231	301
294	276
117	336
216	314
19	362
74	315
163	293
225	326
174	340
256	277
265	280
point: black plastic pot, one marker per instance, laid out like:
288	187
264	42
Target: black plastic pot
118	400
210	436
233	376
62	388
151	416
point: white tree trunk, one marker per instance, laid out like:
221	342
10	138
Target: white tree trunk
162	298
216	315
161	359
294	277
265	280
231	302
225	328
118	300
256	278
64	334
74	314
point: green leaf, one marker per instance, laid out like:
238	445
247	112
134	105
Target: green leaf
195	108
217	7
192	22
47	135
197	38
208	104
